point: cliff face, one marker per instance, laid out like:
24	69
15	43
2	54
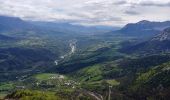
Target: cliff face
165	35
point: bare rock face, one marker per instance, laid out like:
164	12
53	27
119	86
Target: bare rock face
165	35
158	44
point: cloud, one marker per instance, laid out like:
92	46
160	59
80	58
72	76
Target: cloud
131	12
159	3
152	3
87	12
121	2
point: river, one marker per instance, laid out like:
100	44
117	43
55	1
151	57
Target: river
72	45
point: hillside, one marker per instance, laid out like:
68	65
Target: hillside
158	44
13	24
20	61
59	63
154	83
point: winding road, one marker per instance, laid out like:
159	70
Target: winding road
95	95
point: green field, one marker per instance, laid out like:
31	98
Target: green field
46	76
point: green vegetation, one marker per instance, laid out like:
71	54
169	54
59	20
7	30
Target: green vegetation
6	86
33	95
91	73
113	82
103	66
153	83
46	95
45	76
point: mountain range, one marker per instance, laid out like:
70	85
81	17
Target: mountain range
17	24
143	28
131	63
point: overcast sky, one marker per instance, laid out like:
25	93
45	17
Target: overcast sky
88	12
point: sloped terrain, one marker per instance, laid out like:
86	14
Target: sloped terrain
153	84
158	44
49	64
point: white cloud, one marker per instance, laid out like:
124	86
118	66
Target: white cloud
88	12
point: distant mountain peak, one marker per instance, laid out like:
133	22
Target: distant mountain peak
10	23
144	28
143	22
9	18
